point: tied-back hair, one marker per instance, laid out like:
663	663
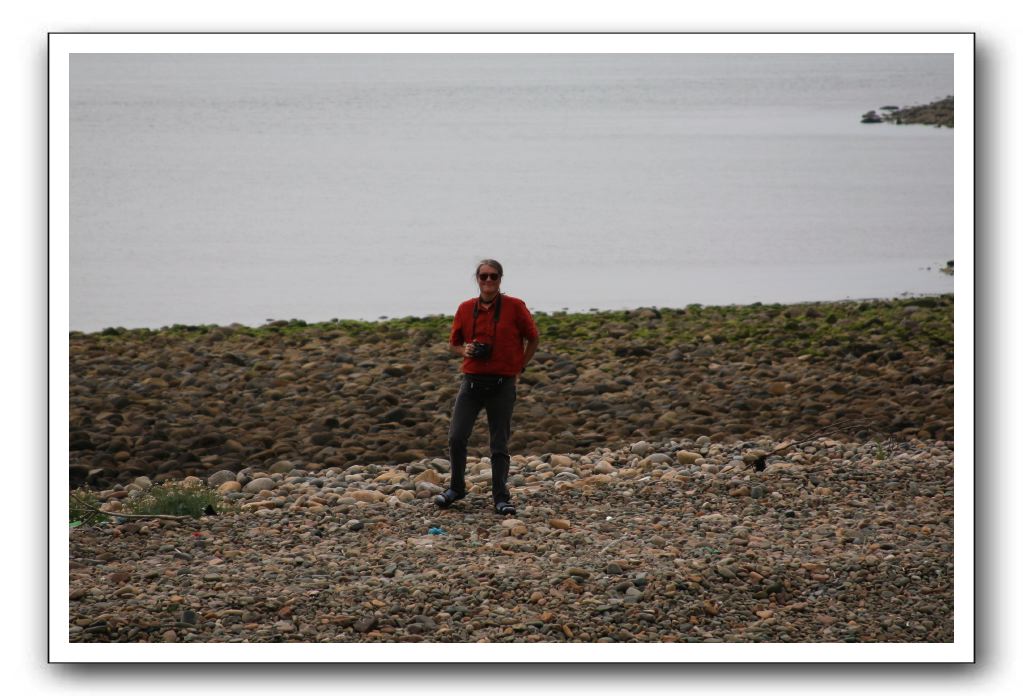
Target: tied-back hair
488	262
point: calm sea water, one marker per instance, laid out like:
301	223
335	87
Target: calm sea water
241	188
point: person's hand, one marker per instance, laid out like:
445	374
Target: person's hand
467	350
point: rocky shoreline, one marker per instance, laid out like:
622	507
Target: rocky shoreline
195	400
677	541
641	518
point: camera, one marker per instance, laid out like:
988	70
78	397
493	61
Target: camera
479	351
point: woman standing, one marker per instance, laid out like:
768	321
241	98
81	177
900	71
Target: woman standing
496	337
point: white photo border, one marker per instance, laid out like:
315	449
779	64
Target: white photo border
63	45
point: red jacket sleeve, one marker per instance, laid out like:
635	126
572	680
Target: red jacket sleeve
526	325
457	338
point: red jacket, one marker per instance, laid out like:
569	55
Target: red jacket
514	326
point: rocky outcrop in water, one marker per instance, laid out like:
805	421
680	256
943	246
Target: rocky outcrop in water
939	113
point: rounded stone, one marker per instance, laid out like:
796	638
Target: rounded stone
261	484
229	487
687	458
219	477
282	467
642	448
367	496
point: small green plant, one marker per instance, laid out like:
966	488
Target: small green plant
81	502
169	499
880	451
175	498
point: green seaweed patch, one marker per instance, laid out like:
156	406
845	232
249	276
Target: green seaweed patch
923	323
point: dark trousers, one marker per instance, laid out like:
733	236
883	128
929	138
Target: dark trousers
499	404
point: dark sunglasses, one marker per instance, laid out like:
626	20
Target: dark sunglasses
488	276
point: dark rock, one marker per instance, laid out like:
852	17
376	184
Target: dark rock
366	624
233	359
80	441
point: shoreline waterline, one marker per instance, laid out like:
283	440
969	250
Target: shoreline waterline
296	322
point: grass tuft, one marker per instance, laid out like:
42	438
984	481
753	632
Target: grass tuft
172	498
176	498
83	514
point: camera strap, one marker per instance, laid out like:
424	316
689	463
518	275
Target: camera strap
476	312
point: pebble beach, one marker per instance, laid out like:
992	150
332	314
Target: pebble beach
641	517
